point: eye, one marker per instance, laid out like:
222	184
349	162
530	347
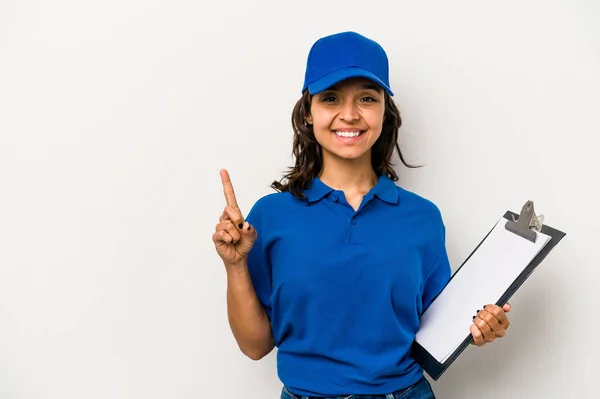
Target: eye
329	98
368	99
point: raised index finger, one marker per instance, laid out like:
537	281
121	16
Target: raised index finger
228	189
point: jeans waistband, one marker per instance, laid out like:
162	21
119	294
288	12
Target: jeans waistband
392	395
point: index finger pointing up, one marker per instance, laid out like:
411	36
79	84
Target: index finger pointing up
228	188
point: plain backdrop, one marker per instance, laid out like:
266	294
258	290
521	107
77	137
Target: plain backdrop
116	116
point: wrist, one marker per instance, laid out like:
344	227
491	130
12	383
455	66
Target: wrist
236	269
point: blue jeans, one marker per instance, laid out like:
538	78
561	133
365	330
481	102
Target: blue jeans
420	390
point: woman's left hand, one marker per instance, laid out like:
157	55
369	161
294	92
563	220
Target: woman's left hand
490	323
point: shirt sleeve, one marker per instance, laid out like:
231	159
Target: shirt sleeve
258	261
439	274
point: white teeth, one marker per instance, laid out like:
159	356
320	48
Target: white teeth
347	134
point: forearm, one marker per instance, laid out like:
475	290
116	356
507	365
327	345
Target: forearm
247	318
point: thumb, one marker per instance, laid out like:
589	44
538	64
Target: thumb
249	236
506	307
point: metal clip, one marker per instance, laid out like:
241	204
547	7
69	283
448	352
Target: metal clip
527	224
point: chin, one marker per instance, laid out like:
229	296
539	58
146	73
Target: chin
349	153
350	156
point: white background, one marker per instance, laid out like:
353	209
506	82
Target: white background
116	116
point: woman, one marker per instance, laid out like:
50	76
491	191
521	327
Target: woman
336	268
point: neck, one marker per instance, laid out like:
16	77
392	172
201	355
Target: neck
355	175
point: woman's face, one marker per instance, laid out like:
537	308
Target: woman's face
347	118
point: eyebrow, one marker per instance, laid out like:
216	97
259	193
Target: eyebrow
372	86
367	86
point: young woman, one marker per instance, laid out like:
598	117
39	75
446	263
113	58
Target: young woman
336	268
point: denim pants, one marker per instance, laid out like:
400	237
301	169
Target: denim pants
420	390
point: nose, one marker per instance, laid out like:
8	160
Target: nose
349	112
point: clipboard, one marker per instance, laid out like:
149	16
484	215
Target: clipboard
524	230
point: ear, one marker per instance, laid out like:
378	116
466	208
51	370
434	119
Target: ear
308	118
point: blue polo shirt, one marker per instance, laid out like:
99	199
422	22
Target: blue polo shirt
344	289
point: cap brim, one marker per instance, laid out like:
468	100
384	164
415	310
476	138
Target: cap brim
342	74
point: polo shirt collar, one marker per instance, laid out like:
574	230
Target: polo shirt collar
317	190
385	189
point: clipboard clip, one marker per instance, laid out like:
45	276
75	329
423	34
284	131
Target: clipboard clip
527	224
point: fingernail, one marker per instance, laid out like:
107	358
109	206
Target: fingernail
249	227
478	310
474	317
484	306
241	225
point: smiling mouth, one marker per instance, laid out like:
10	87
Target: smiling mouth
349	134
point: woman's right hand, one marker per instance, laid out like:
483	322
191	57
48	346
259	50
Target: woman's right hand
233	237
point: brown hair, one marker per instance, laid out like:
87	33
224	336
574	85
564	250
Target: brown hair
307	151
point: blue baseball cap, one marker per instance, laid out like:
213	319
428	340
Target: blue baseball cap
345	55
